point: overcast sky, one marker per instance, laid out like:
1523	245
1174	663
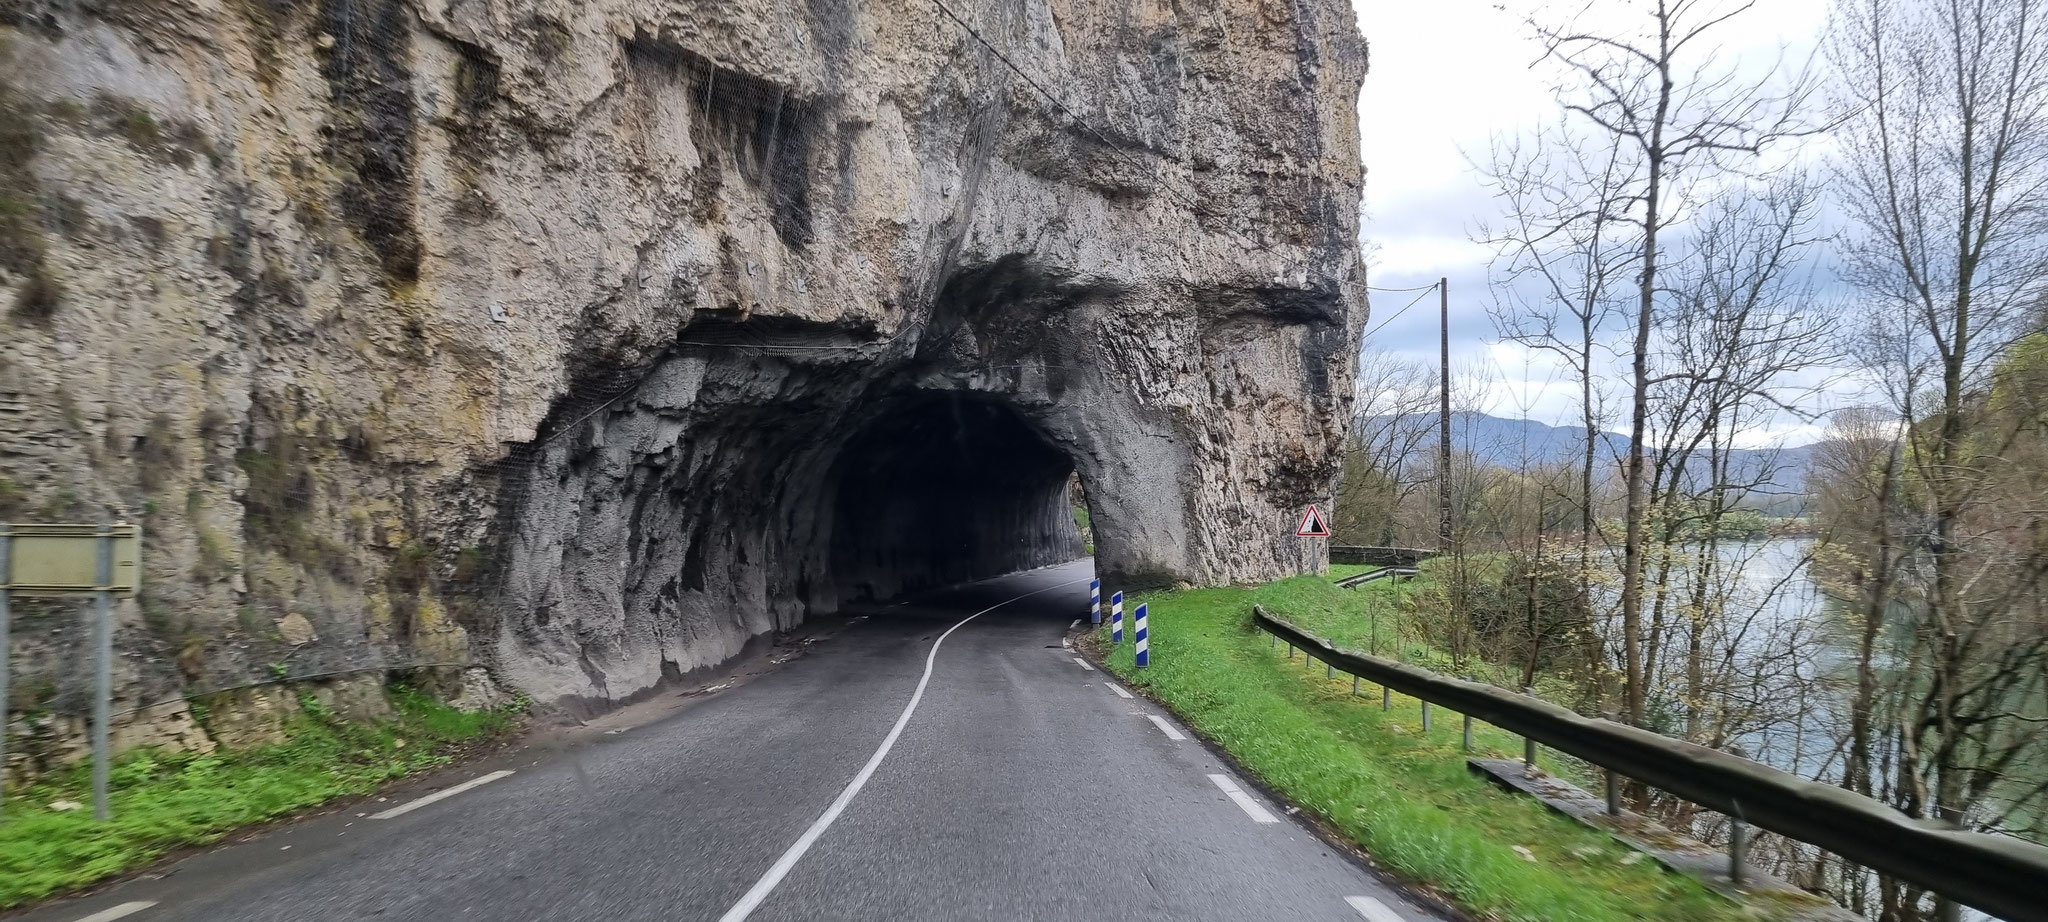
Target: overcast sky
1447	76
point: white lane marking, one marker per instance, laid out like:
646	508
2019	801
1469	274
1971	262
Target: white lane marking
1373	910
766	885
1077	623
1118	689
1083	664
1165	727
125	909
1066	644
438	796
1244	801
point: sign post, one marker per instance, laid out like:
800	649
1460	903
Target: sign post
6	547
1094	601
1116	618
72	560
103	668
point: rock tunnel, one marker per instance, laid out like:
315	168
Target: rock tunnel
766	473
944	488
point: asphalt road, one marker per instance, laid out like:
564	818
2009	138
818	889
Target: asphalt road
1020	786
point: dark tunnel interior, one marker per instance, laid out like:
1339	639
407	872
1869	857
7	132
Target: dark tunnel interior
945	488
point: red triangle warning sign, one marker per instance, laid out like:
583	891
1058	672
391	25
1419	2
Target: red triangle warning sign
1312	524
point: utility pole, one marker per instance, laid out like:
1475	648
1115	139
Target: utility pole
1443	460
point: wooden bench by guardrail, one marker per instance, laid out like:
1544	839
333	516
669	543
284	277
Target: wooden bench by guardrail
2000	875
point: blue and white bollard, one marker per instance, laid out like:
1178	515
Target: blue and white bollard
1144	652
1116	618
1094	601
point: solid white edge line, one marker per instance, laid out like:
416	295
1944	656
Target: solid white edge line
1165	727
1242	800
766	885
121	911
1373	910
1083	664
439	796
1119	690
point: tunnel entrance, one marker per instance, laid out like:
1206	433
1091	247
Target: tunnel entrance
946	488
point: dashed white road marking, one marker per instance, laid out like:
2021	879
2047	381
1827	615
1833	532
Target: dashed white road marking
1118	689
1077	623
1166	728
439	796
118	912
776	872
1244	801
1373	910
1083	664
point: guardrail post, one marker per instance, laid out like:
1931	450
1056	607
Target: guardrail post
1116	618
1094	601
1528	742
1354	685
1425	718
1144	657
1468	733
1386	698
1329	670
1945	909
103	669
1738	835
1613	780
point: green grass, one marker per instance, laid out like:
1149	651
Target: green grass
1409	800
161	801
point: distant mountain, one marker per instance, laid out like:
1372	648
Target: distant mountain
1781	472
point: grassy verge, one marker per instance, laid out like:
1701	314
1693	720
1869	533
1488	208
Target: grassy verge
1407	798
161	801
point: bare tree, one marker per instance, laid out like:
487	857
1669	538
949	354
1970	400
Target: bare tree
1943	172
1679	121
1391	419
1562	259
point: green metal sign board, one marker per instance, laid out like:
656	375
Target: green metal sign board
63	560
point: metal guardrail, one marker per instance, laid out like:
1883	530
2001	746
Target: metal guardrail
1353	582
2005	877
1379	556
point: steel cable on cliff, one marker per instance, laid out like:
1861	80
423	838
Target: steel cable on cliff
1186	202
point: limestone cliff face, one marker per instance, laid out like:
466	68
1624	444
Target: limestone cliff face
587	339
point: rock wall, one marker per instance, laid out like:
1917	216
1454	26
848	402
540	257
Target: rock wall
584	340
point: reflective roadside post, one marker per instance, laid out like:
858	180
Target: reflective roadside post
1116	618
1144	652
1094	601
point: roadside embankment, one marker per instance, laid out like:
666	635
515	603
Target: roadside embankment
1371	775
160	801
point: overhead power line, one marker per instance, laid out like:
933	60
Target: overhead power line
1398	313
